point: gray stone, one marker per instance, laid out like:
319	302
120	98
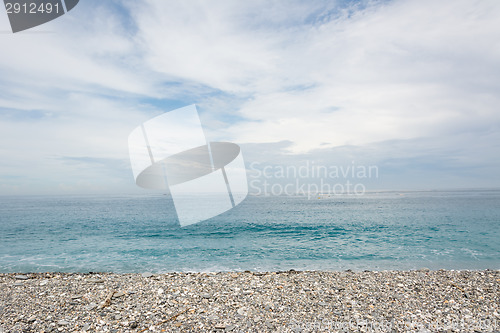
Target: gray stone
21	277
147	275
202	300
91	306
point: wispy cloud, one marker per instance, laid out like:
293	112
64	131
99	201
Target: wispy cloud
397	81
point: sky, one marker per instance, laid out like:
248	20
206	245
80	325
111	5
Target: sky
409	86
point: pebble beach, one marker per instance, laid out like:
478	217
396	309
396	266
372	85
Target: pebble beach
291	301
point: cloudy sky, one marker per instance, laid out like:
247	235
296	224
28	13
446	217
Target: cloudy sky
412	86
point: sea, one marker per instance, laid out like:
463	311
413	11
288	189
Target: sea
137	233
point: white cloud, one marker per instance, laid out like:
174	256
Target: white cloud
393	70
320	74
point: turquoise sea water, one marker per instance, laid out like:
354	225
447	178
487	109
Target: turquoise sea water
138	233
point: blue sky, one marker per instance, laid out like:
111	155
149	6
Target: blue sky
410	86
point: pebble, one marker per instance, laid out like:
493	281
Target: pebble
21	277
262	302
91	306
147	275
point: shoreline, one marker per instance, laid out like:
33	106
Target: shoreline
285	301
